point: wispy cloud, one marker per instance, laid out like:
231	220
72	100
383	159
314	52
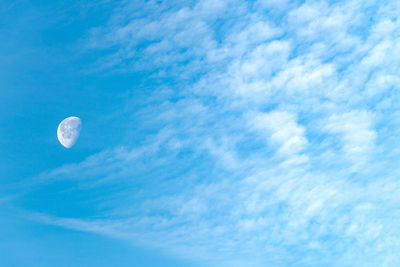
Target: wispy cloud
272	141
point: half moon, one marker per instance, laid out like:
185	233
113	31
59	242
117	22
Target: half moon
68	131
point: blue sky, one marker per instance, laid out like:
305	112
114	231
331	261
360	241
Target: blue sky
214	133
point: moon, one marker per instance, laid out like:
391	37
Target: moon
68	131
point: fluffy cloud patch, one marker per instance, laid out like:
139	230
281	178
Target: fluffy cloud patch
270	133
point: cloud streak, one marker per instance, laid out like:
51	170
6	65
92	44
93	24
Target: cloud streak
270	144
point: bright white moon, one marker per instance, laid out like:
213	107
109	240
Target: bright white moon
68	131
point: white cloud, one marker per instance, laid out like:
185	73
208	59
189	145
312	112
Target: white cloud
356	132
256	88
282	130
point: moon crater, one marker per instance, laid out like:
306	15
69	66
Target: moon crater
68	131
